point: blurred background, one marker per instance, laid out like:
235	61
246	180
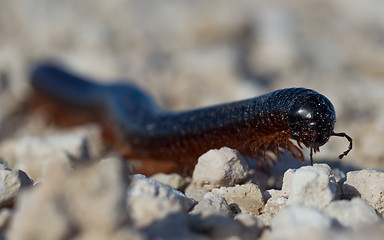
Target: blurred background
197	53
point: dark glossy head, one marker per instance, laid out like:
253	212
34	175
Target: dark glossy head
311	119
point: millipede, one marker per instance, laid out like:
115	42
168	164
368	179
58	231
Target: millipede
261	128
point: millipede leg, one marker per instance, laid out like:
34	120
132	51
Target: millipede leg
311	155
350	143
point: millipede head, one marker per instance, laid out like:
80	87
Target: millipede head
311	121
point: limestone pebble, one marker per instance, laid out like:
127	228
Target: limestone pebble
367	184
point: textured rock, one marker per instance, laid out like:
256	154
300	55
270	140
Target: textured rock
217	168
368	184
36	154
148	200
278	200
245	198
287	180
212	204
300	222
11	182
355	213
313	186
172	180
90	201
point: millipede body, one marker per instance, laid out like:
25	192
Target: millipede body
255	127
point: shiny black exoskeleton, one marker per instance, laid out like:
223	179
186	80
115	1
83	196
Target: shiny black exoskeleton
252	126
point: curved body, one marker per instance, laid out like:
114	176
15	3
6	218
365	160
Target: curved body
253	126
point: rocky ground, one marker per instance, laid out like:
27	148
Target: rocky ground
224	199
189	54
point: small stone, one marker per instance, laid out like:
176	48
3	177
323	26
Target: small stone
172	180
300	222
11	182
223	167
313	186
367	184
212	204
278	200
247	198
149	200
287	180
355	213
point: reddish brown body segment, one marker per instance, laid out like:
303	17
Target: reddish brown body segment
253	126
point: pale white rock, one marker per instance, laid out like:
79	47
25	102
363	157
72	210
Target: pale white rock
36	154
88	201
335	178
11	182
355	213
276	201
313	186
368	184
220	167
246	198
211	204
287	180
148	200
172	180
300	222
271	193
